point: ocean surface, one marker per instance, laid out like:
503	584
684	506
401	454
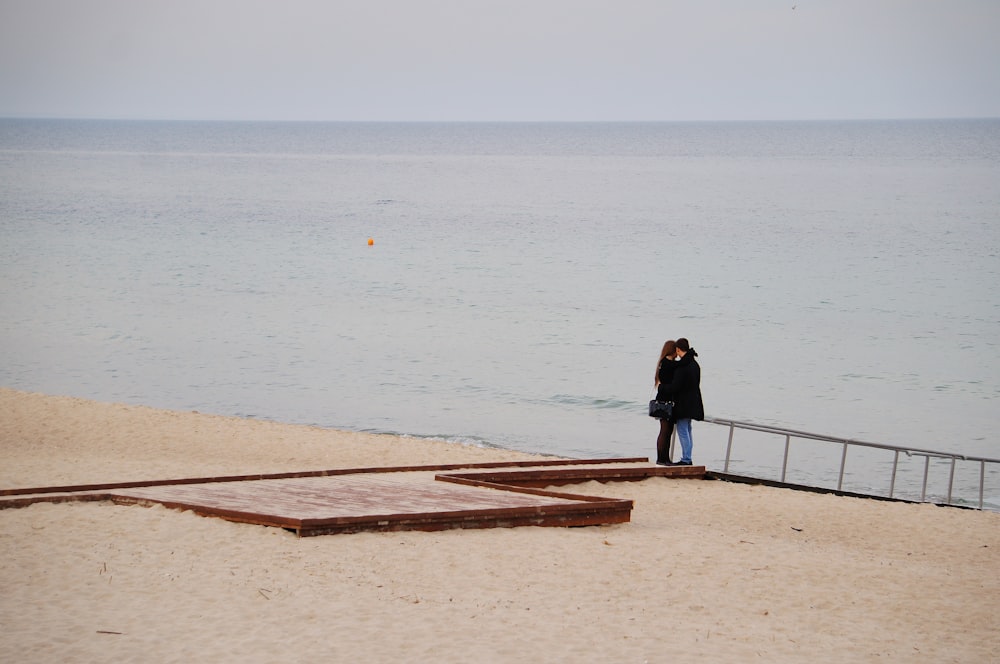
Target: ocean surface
839	278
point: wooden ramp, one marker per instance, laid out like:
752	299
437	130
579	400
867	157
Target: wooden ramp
385	499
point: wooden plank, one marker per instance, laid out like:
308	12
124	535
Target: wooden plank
560	477
363	503
315	473
611	514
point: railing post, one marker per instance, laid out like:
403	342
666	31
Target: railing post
951	479
784	463
895	465
729	446
927	467
843	463
982	481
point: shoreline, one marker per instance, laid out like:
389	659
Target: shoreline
165	443
703	569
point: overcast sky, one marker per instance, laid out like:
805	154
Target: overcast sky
500	59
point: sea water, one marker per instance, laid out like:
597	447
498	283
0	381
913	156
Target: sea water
834	277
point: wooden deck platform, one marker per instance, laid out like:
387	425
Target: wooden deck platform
384	499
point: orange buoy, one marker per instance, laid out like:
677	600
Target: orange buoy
371	241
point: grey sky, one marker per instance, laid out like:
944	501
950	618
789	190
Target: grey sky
500	59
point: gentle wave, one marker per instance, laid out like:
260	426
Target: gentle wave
593	402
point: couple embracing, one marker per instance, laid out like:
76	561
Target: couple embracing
678	379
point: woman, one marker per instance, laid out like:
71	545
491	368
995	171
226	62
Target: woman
685	391
664	376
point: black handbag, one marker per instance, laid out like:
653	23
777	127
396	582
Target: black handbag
661	410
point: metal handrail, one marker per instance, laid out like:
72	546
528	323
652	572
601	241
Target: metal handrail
789	434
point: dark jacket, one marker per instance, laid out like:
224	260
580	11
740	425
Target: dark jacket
665	373
685	389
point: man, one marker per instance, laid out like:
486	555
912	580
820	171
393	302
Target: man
685	390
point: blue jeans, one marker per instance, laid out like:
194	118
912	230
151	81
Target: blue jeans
683	428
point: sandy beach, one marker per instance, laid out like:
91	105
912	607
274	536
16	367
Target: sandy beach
705	571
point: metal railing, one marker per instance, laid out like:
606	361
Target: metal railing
846	443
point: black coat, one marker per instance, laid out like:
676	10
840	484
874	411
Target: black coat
685	389
665	374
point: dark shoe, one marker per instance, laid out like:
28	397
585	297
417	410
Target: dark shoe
679	463
663	463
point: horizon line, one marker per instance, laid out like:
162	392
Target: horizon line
490	121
